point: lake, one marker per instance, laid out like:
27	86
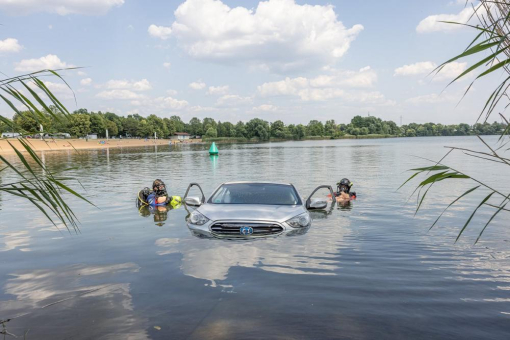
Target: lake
369	270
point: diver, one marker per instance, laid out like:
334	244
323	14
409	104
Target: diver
158	196
343	192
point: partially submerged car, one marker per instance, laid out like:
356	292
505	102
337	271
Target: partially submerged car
251	209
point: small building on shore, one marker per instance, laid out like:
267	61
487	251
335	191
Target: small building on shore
180	136
91	136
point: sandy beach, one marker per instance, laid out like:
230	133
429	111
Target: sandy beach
80	144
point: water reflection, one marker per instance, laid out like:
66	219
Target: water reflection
159	213
44	297
211	259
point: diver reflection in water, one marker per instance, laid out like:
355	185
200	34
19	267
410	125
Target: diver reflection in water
344	205
160	213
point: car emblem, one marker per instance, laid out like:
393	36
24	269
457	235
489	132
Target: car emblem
246	230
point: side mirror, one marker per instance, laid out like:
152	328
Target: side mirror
318	203
193	201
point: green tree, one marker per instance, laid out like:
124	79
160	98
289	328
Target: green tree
252	126
113	130
208	123
4	127
240	130
211	133
410	133
330	128
261	132
97	124
315	128
195	127
278	129
143	129
130	126
229	129
221	130
299	131
27	122
79	124
157	125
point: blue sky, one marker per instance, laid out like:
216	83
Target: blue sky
235	60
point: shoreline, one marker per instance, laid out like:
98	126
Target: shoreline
82	144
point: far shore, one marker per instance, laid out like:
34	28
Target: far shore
81	144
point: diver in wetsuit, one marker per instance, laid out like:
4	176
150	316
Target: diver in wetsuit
158	196
343	193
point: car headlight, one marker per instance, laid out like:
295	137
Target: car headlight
197	218
300	221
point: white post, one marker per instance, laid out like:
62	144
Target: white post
106	134
155	136
41	129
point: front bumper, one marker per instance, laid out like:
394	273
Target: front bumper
258	229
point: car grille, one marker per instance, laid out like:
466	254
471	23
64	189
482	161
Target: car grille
234	229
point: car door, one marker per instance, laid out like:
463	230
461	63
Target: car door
319	203
194	201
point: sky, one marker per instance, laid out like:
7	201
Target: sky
293	60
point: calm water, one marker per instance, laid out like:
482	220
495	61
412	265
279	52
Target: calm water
370	270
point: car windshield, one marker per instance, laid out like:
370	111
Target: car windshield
256	193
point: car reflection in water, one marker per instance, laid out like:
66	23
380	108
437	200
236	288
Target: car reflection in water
247	210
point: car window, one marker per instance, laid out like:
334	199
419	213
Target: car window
255	193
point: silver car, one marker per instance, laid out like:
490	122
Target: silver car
251	209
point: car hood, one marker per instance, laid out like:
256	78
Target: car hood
250	212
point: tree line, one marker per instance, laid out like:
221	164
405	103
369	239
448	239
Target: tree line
82	122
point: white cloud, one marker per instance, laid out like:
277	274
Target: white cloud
57	87
433	23
197	85
161	32
218	90
278	35
61	7
50	61
60	88
199	108
171	103
167	65
448	72
86	81
340	84
171	92
424	67
233	100
141	85
321	87
287	86
81	73
429	99
10	45
119	94
265	107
